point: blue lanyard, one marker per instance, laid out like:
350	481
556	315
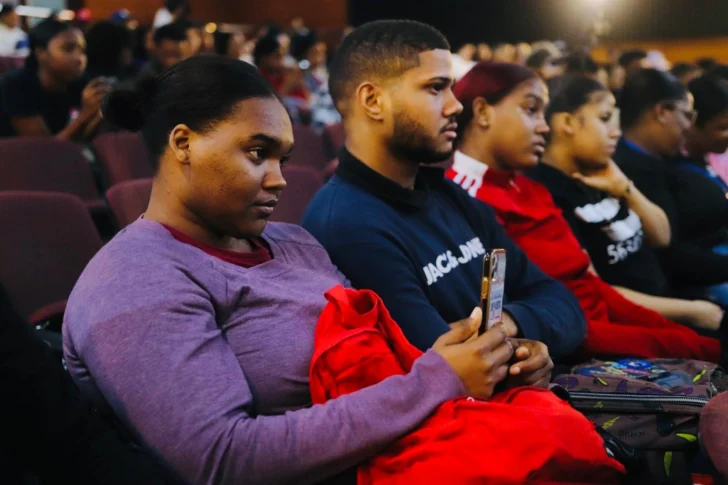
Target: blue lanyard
635	147
709	173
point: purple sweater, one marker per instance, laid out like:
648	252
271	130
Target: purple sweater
207	362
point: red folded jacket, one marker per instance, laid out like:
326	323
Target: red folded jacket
523	435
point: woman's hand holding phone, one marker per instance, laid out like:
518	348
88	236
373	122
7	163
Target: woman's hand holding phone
481	362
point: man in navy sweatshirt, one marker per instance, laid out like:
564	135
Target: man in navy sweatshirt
394	225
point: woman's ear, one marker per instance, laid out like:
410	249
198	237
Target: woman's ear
570	122
179	143
483	113
563	124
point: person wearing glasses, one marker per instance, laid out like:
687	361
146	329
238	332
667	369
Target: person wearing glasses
702	201
657	115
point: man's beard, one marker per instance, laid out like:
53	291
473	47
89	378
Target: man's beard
410	142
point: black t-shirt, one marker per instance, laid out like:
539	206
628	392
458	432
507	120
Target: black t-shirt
607	229
701	202
697	210
21	95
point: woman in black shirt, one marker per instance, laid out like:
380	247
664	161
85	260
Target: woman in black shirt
45	97
657	115
709	135
614	222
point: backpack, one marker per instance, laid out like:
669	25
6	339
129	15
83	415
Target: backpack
657	419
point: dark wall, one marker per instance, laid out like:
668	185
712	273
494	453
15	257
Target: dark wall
317	13
529	20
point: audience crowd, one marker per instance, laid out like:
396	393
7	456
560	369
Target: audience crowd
188	339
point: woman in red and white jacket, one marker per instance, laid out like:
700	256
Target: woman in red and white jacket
502	131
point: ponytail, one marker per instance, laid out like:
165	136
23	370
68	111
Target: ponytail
197	92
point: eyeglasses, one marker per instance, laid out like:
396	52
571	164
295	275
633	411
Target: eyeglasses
689	114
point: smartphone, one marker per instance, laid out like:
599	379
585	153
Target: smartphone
493	288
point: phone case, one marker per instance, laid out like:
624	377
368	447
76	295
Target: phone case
492	291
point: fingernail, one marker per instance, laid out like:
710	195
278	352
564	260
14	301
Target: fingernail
475	312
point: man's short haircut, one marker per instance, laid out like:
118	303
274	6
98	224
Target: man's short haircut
706	63
645	89
174	32
172	5
538	58
683	68
629	57
379	50
6	8
265	46
719	70
711	98
580	63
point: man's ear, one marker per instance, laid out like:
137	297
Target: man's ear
661	113
370	98
179	143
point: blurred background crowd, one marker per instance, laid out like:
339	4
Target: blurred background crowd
291	43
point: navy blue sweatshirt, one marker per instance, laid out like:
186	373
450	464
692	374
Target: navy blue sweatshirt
421	250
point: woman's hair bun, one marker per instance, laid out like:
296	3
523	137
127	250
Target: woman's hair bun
127	106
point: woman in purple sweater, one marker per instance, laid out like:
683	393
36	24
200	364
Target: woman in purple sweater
195	324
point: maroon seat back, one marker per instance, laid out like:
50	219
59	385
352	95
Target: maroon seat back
123	157
309	148
47	240
334	137
128	200
303	183
46	165
714	432
10	63
330	169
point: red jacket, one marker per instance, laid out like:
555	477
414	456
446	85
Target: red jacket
615	326
524	435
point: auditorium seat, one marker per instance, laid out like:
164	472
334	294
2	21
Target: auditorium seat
122	156
10	63
714	432
47	240
48	165
303	183
309	148
128	200
334	139
330	169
